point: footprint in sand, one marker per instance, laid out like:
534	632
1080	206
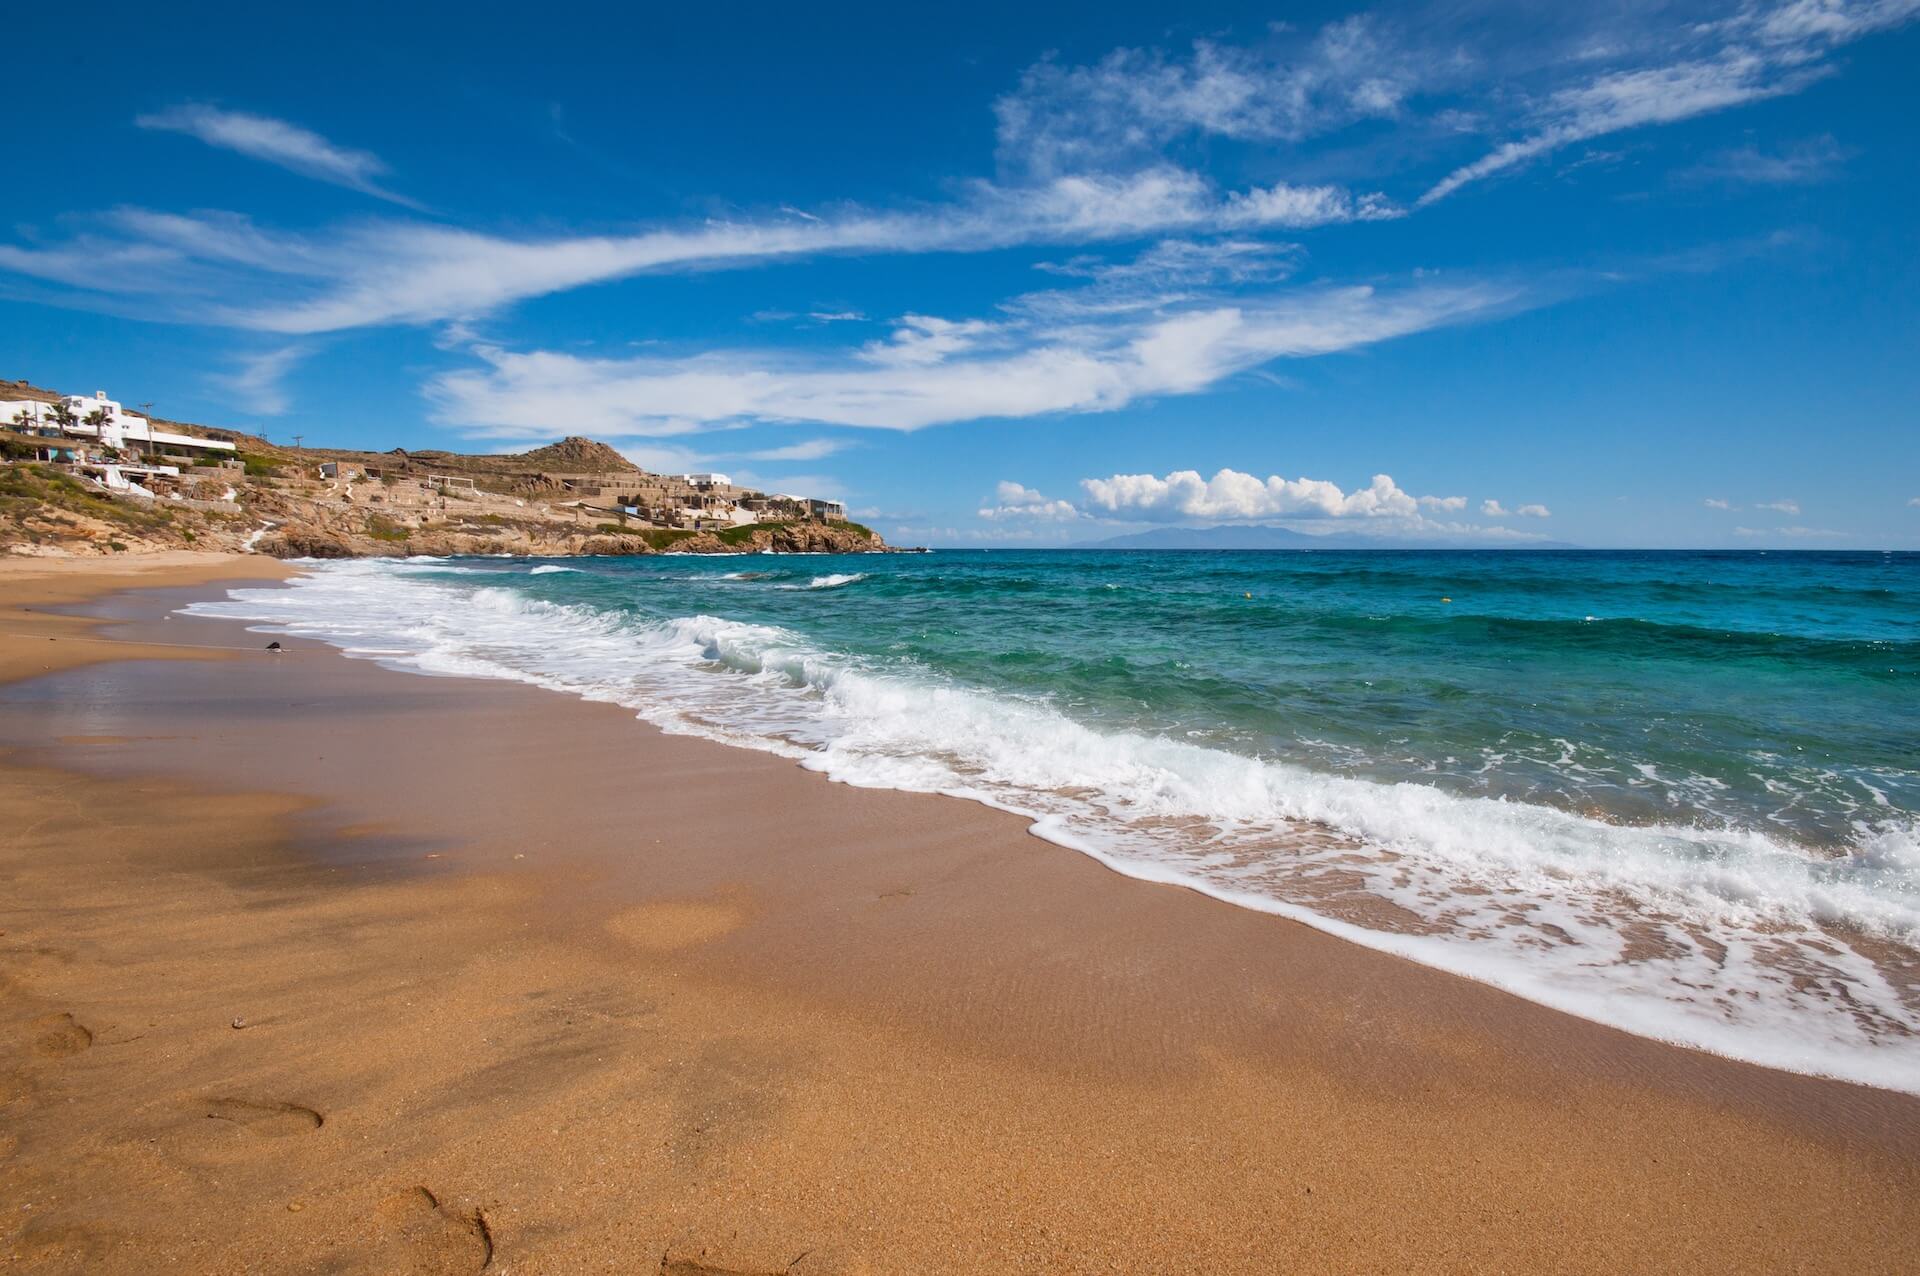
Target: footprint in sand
61	1036
270	1120
433	1236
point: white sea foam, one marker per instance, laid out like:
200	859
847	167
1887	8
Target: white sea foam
549	569
834	581
1722	939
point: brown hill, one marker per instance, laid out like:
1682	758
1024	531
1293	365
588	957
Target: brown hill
576	455
22	390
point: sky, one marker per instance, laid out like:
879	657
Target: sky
1639	274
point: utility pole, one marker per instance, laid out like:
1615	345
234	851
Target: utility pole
297	438
148	408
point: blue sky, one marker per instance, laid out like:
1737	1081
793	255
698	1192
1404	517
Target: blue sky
1640	274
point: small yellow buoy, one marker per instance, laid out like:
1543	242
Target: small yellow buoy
1248	595
1446	600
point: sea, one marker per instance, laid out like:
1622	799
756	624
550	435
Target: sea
1674	792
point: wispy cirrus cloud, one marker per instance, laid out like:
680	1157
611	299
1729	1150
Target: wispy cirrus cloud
1801	163
296	149
258	385
1114	151
1030	368
1758	51
1125	109
810	450
222	268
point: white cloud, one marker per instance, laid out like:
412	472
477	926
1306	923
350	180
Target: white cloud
667	458
1914	503
1793	533
220	268
676	458
1452	504
1233	496
1181	262
1031	370
1131	104
1715	503
1491	508
1534	511
291	147
1802	163
257	385
1784	506
1301	207
1020	502
923	340
1759	52
811	450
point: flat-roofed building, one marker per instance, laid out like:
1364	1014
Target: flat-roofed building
113	426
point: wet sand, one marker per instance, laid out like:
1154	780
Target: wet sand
524	985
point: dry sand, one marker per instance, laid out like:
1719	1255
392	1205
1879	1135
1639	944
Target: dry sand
523	986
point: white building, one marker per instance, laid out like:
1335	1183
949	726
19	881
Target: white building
118	428
706	480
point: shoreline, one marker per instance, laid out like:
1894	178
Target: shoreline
915	1037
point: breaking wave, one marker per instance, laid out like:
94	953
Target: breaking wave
1725	939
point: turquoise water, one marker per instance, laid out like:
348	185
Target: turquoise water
1674	791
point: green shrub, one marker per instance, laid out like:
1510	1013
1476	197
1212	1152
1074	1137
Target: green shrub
382	529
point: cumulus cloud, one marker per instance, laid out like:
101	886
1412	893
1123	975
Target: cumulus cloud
1031	369
1493	509
1534	511
290	146
1450	504
1783	506
1914	503
1016	501
1715	503
1233	496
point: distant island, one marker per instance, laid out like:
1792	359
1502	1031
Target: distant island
1263	536
82	475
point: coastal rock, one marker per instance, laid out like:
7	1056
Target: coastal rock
301	542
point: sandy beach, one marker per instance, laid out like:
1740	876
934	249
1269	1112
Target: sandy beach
306	965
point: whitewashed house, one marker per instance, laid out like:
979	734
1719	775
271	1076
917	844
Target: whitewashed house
119	429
